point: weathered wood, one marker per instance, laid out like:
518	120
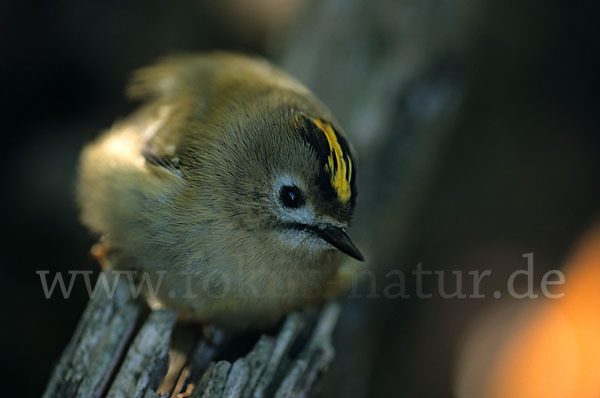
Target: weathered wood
109	356
146	362
216	383
257	360
237	379
286	337
96	345
313	359
108	352
201	358
263	371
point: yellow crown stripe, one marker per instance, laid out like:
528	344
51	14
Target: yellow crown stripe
339	182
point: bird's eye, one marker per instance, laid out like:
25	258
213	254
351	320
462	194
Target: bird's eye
291	196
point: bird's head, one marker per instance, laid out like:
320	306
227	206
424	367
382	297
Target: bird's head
292	174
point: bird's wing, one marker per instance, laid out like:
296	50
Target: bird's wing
187	95
171	90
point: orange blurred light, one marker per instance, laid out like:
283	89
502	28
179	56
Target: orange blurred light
551	349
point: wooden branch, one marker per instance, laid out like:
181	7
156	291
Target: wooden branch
120	350
99	340
146	362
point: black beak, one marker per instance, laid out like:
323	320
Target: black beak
337	237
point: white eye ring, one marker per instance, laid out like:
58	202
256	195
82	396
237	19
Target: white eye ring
301	211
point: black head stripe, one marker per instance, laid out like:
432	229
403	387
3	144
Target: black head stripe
336	177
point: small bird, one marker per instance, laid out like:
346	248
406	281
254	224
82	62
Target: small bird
231	187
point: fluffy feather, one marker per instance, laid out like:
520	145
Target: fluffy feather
189	185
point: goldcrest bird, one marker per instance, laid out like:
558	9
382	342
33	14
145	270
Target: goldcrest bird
231	186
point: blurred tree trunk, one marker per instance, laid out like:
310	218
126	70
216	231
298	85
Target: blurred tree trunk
393	74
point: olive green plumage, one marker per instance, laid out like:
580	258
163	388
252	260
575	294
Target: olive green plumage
223	179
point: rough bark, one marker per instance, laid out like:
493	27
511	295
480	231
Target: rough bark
121	350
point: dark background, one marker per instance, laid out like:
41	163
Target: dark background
519	172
